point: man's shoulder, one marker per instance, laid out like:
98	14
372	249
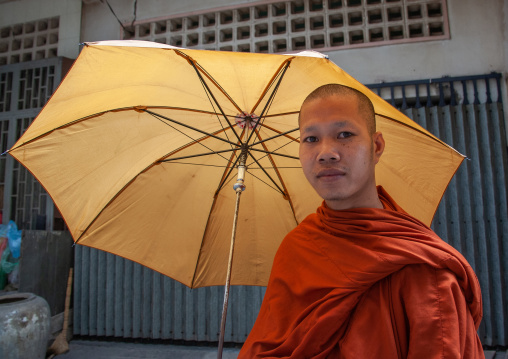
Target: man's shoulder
421	277
305	229
300	239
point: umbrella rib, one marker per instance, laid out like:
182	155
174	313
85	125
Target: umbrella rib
277	131
214	111
272	167
197	141
225	176
206	165
273	137
274	153
135	108
207	89
193	63
267	175
284	145
270	83
199	155
218	166
207	74
270	99
193	143
285	191
266	183
276	169
190	127
217	115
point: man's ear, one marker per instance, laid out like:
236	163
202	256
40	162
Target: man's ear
379	145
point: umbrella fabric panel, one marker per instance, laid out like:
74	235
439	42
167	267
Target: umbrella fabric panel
262	224
155	220
100	157
397	175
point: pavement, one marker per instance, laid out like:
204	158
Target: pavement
94	349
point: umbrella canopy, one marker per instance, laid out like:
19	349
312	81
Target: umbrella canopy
140	144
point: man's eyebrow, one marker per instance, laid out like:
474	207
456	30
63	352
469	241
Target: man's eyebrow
337	124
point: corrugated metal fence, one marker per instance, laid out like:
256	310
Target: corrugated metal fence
115	297
467	113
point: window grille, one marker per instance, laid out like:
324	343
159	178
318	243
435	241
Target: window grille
29	41
24	89
287	26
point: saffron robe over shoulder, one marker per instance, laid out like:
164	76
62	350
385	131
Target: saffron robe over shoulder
367	283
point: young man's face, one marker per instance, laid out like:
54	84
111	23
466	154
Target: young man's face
337	153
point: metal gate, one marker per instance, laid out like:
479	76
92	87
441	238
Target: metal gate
24	89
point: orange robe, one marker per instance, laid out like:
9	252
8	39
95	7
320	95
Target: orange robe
367	283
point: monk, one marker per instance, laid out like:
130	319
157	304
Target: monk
361	278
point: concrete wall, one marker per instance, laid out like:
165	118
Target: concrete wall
478	42
477	45
69	11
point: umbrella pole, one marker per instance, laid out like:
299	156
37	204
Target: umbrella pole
239	187
228	279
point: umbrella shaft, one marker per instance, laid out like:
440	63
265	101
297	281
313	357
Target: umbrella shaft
228	277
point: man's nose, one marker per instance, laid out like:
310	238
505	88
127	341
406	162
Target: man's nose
328	151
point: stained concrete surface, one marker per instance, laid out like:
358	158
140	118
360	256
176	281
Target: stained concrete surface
91	349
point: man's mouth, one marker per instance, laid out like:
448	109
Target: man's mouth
330	173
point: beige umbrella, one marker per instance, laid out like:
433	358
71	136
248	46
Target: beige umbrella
142	143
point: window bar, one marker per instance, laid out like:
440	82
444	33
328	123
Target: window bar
417	90
489	99
453	100
441	95
404	102
475	88
429	101
464	88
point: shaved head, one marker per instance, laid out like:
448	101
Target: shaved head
365	106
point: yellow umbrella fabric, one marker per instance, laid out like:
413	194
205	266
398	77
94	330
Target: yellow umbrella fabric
123	148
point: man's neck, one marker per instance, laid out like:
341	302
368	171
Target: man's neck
370	200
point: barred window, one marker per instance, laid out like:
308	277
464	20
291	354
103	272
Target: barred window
286	26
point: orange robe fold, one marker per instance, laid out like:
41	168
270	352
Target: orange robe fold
367	283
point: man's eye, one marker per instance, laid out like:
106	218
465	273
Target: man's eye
310	139
345	135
